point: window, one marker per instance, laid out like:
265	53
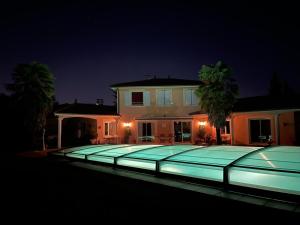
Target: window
226	129
190	97
182	131
106	129
164	97
145	131
260	130
137	98
109	128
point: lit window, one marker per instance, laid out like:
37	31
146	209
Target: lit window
109	128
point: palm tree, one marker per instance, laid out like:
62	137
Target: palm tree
33	93
217	94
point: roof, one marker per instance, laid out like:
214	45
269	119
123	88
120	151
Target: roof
88	109
263	103
158	82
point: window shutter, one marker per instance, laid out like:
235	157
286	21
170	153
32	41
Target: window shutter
112	128
140	129
168	97
146	96
160	97
187	97
152	129
127	96
195	99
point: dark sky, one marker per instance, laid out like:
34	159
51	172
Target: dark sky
89	46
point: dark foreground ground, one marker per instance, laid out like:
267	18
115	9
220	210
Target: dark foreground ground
43	191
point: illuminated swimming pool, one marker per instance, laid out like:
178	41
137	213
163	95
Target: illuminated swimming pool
272	168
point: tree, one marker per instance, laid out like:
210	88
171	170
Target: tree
32	91
217	94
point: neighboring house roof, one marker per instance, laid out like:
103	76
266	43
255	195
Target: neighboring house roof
263	103
88	109
158	82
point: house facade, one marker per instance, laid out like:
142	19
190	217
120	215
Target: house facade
166	111
158	110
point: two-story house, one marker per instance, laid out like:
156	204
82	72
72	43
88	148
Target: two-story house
158	110
167	111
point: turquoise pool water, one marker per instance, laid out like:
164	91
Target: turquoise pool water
110	155
274	168
82	153
147	159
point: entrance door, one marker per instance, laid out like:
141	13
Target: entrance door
182	131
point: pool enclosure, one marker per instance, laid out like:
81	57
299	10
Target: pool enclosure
274	168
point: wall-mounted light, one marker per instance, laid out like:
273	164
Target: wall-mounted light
202	123
127	124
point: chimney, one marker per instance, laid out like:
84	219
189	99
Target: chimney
99	101
75	101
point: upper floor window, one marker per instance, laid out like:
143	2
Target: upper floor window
137	98
164	97
190	97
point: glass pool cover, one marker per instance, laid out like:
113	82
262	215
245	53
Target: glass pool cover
271	168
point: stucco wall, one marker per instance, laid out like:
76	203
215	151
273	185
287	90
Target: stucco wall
176	109
129	114
241	127
209	130
100	129
287	129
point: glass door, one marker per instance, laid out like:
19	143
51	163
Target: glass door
182	131
145	131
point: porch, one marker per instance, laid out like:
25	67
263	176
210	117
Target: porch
178	130
104	129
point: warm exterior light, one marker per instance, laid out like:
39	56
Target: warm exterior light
202	123
127	124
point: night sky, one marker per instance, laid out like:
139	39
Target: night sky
89	46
